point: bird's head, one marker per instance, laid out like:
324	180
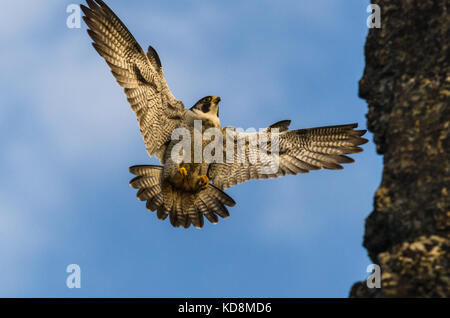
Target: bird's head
208	105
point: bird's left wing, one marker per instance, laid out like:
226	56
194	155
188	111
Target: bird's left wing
283	151
140	75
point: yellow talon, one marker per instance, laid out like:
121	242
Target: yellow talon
203	182
182	171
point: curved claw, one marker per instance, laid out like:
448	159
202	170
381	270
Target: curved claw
182	171
203	182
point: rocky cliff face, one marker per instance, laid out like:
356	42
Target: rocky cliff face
406	84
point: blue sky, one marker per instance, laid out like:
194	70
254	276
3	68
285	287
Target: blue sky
68	137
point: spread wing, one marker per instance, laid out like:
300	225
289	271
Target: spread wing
299	151
140	75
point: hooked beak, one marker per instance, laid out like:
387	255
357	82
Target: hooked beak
215	99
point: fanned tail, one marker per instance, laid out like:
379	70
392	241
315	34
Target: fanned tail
183	208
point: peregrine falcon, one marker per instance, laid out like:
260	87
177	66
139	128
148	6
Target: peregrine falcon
190	189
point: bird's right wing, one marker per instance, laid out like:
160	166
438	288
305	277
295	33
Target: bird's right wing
140	75
291	152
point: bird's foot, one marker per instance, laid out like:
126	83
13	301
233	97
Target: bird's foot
182	171
203	182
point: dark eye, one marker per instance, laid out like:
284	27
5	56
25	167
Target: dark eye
207	99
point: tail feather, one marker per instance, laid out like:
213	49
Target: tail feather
168	200
182	208
155	201
146	171
219	195
145	194
141	182
216	206
161	213
193	214
196	216
203	208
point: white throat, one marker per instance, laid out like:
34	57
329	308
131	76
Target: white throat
196	114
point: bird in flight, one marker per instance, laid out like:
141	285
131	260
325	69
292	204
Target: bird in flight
188	189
